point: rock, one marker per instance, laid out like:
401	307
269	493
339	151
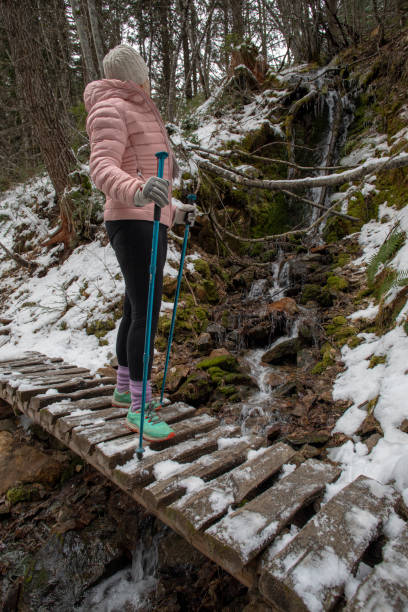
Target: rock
5	410
286	390
314	437
25	464
275	379
369	426
404	426
372	441
176	554
204	342
196	390
309	451
305	359
216	331
283	351
286	305
8	425
176	376
218	359
67	564
107	371
273	432
169	286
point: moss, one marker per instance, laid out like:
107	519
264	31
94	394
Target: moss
392	188
224	362
19	494
100	327
211	291
238	379
227	390
328	354
202	267
339	330
216	374
354	342
376	360
337	283
318	294
342	260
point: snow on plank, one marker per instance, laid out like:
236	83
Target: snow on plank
194	475
94	388
26	391
386	587
140	472
110	454
199	510
48	415
86	438
83	438
241	535
309	574
85	418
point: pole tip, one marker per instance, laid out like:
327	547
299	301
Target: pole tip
139	454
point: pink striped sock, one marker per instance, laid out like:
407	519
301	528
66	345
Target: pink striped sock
122	380
136	387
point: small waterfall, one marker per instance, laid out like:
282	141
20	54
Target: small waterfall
128	589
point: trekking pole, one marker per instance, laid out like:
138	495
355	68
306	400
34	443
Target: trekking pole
192	198
161	156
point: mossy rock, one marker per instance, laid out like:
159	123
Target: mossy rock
238	378
392	186
20	494
227	363
196	390
316	293
227	390
217	374
337	283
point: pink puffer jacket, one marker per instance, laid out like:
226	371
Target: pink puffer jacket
125	130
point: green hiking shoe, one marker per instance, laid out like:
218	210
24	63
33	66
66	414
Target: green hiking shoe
121	400
154	428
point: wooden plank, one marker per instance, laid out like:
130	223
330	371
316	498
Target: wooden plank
164	492
46	371
199	510
137	473
43	367
312	569
84	418
386	588
94	387
83	439
24	395
176	412
186	429
12	364
241	535
48	415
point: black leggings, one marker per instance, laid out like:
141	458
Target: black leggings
132	242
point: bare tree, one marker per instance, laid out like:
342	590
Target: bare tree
90	71
47	117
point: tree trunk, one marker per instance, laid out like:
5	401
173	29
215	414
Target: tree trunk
90	72
96	34
47	118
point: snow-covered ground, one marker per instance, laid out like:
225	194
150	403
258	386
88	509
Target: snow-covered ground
50	312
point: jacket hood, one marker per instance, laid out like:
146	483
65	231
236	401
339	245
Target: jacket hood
98	91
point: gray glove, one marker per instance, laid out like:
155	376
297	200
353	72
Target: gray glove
154	190
185	213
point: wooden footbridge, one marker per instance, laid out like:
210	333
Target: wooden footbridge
253	508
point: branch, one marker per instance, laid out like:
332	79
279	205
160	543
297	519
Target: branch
320	206
237	152
330	180
17	258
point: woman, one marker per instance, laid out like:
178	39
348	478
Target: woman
125	131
